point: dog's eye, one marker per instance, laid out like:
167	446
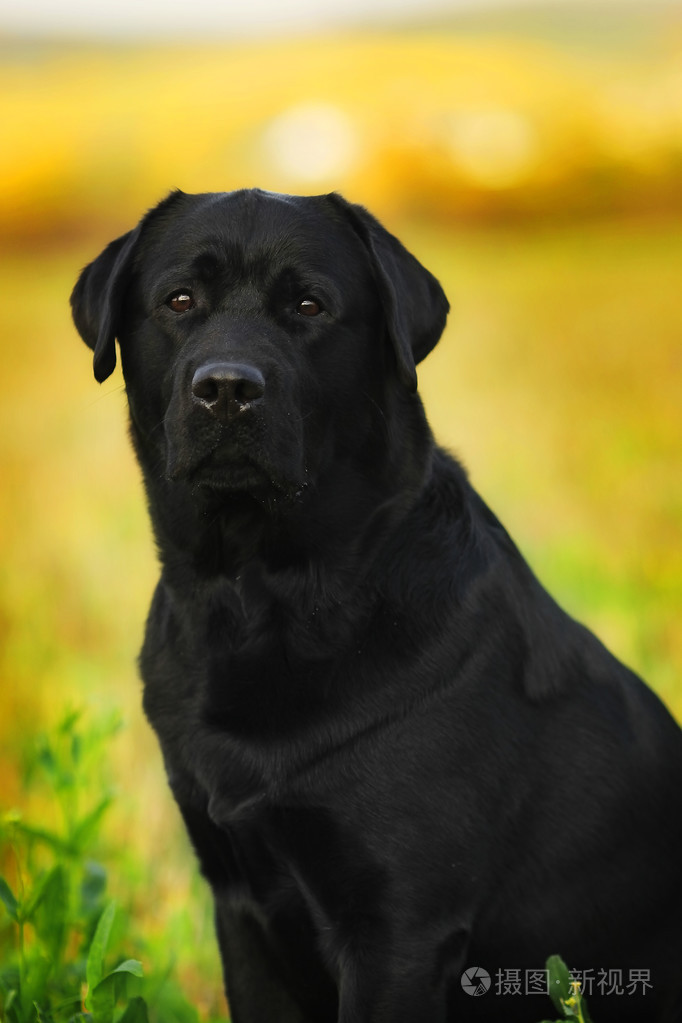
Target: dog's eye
180	301
308	307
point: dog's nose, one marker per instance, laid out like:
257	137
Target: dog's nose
227	389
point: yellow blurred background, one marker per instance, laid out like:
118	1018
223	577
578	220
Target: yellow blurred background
530	157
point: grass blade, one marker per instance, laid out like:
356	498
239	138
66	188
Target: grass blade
95	964
8	898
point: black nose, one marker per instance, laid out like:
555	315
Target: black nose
227	389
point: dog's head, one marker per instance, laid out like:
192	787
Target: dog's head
264	338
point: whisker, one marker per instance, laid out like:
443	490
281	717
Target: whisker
105	394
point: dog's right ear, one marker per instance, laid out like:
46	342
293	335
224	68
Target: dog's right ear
97	298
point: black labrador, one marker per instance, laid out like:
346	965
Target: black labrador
408	775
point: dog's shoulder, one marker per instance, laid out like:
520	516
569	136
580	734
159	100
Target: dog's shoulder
477	583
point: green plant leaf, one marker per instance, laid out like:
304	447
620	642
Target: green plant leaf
53	878
102	1000
46	758
98	948
33	988
136	1012
559	982
76	749
132	966
93	886
10	999
68	1010
51	911
87	827
54	842
70	719
9	900
565	994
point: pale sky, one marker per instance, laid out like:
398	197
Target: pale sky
194	18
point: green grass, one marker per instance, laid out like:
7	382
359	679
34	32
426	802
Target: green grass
68	952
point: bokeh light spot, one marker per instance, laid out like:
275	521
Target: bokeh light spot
497	148
310	142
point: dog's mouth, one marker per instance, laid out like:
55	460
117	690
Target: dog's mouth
238	475
228	470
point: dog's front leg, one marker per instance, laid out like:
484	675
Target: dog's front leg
254	969
403	991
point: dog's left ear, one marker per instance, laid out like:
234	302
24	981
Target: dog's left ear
97	298
414	302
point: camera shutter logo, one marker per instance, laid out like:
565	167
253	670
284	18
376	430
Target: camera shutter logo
476	981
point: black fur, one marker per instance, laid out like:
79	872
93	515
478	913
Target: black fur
397	758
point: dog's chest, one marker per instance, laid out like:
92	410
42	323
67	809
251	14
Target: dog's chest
231	700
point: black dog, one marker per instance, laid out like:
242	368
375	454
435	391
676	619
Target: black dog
397	758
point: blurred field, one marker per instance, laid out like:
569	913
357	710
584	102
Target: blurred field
541	182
